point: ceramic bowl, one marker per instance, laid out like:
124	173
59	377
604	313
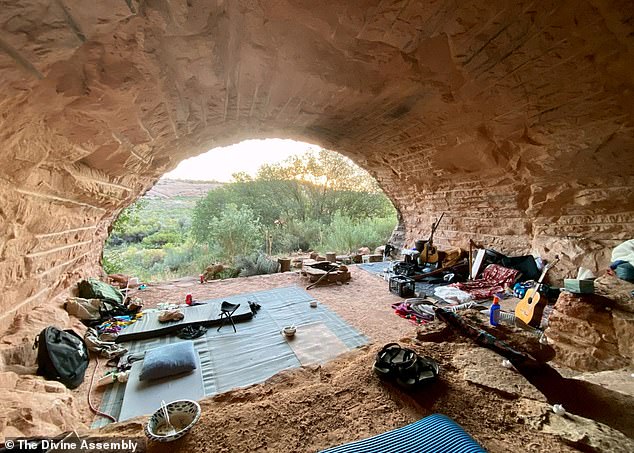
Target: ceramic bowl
313	303
183	414
289	331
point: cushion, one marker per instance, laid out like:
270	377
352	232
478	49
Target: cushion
169	360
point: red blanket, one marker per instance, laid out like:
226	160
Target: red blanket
494	279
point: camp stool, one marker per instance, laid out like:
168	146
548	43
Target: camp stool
227	309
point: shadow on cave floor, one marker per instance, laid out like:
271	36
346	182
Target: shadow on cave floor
584	398
578	397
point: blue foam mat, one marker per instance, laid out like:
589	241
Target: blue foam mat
434	434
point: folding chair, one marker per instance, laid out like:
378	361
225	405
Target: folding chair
227	310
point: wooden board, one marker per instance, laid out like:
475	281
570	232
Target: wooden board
314	274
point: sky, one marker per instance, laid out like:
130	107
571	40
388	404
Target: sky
219	164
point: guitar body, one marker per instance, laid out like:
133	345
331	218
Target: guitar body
429	255
531	308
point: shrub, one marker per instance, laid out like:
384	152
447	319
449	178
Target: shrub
234	232
160	238
296	235
259	264
345	235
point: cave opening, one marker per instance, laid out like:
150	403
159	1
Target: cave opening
513	118
271	198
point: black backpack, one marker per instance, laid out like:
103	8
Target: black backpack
62	356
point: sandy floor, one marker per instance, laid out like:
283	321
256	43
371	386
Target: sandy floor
312	408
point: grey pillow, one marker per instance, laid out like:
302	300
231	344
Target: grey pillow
169	360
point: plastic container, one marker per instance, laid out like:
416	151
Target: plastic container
111	378
402	286
494	311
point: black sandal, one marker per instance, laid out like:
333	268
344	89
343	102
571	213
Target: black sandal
422	370
391	358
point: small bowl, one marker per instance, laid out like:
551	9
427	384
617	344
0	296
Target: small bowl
289	331
313	303
183	415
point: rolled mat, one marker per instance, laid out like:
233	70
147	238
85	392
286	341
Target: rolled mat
433	434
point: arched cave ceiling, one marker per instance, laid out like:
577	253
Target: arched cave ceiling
515	118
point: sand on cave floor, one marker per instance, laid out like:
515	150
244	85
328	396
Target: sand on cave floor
312	408
315	407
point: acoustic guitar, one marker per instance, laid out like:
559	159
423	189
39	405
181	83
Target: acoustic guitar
429	254
531	308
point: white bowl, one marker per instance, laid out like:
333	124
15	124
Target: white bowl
313	303
289	331
183	414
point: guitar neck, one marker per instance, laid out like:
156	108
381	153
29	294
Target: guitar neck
544	272
434	227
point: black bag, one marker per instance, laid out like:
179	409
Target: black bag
62	356
110	309
526	265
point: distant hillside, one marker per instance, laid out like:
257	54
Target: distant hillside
170	188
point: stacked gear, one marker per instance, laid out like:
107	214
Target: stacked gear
113	301
623	261
95	289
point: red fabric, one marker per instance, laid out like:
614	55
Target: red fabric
494	279
404	311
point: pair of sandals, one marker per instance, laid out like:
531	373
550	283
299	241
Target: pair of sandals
404	366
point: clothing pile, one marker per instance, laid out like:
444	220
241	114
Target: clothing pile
495	279
110	328
107	349
417	310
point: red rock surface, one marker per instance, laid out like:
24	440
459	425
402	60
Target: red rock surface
170	188
589	334
514	118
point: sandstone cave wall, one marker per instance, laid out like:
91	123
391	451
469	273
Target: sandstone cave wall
514	118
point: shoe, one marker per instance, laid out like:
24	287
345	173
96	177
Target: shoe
391	358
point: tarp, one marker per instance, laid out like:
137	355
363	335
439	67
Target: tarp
144	397
258	350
